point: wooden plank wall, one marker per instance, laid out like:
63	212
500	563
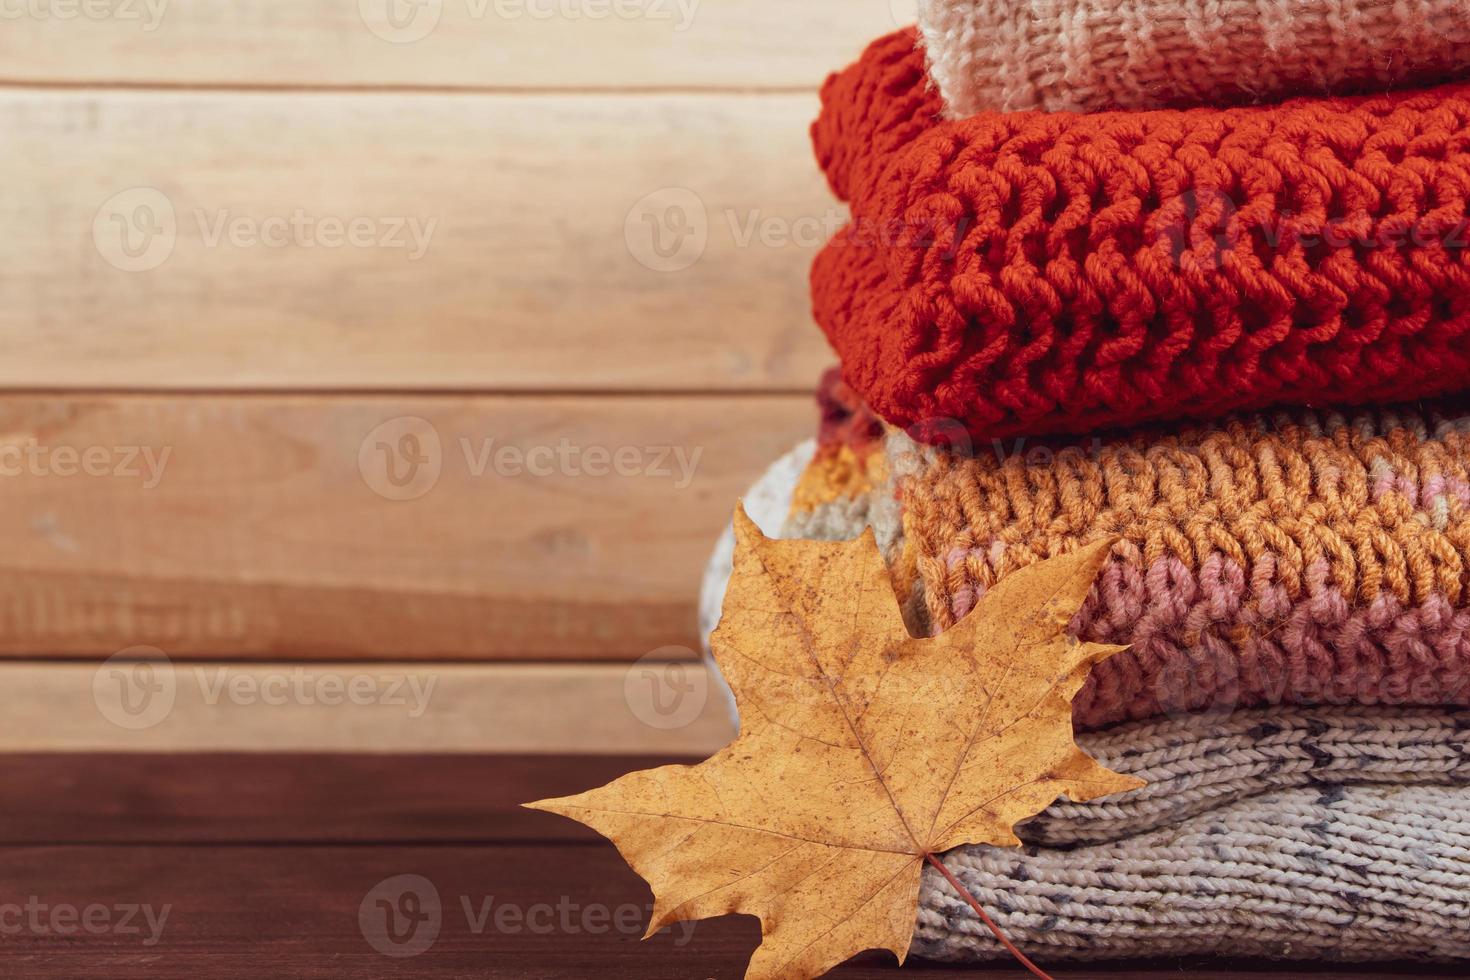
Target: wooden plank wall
361	336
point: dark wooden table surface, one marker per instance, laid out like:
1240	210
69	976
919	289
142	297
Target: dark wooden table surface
300	866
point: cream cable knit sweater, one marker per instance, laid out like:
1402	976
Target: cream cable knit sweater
1085	55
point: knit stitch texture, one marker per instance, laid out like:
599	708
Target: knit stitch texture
1089	55
1293	558
1332	873
1198	764
1331	832
1033	273
1299	557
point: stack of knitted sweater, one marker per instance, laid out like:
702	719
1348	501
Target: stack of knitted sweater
1195	276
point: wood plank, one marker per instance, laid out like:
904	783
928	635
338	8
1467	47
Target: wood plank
459	43
546	527
298	912
292	241
127	706
200	798
288	909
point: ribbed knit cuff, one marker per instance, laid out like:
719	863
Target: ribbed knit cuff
1087	55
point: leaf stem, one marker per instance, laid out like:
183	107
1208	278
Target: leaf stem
964	893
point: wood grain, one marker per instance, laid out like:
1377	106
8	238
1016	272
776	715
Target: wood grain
555	527
162	706
448	43
298	798
286	241
571	912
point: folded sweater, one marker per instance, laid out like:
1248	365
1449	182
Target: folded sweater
1334	833
1296	558
1086	55
1331	873
1032	273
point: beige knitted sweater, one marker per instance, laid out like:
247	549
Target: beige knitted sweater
1086	55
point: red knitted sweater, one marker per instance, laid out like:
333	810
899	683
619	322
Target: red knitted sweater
1033	273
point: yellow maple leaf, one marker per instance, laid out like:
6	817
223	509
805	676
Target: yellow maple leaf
862	752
